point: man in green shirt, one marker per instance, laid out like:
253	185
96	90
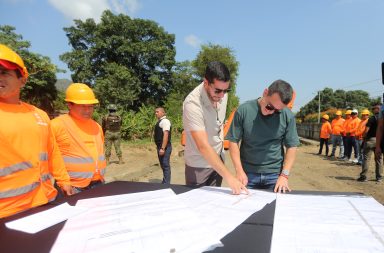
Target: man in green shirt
263	127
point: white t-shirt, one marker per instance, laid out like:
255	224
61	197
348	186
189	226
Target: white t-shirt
165	124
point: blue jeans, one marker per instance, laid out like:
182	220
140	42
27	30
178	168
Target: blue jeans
337	140
262	180
164	163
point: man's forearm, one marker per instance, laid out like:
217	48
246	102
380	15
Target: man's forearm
165	139
234	151
290	157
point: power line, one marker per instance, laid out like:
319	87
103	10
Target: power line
361	83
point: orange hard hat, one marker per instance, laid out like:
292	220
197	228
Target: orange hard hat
338	113
81	94
348	112
10	57
365	112
326	117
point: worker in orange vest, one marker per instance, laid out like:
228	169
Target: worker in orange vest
345	127
350	133
337	138
29	155
81	139
360	132
325	133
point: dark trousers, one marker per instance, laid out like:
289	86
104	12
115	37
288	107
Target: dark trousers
165	163
351	143
322	142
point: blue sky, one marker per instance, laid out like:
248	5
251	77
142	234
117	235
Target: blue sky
312	44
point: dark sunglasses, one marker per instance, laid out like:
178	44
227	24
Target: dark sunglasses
270	107
218	91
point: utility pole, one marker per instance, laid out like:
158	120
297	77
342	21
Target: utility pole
318	118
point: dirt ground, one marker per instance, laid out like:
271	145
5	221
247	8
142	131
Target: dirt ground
310	172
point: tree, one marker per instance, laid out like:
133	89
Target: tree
184	81
40	88
128	61
225	55
338	99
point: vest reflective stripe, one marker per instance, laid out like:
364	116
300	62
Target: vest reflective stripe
73	174
43	156
69	159
101	157
45	177
102	172
19	191
15	168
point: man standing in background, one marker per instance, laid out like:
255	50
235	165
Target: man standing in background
162	137
325	133
369	147
112	130
337	138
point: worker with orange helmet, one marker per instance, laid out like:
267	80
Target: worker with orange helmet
350	132
344	133
81	139
337	126
29	155
325	133
360	132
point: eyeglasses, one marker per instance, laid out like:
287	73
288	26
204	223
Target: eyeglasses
270	107
218	91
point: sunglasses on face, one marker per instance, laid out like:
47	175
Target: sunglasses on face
270	107
218	91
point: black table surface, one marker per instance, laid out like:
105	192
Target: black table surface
253	235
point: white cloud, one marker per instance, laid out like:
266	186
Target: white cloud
83	9
192	40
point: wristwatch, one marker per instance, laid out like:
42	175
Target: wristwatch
285	172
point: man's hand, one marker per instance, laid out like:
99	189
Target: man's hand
281	185
161	152
236	186
240	174
67	189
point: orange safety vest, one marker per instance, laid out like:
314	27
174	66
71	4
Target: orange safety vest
346	126
326	130
352	126
361	129
337	126
227	125
81	166
24	183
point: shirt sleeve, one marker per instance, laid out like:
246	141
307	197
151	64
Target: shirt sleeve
235	132
165	124
193	118
291	138
56	163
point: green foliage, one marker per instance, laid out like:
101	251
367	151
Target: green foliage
138	125
333	100
40	89
128	61
225	55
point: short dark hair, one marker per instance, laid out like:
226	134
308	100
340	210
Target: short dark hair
284	90
217	70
